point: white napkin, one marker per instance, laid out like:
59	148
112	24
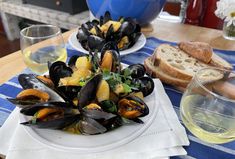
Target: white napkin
163	138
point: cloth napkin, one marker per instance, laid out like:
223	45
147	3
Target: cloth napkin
165	137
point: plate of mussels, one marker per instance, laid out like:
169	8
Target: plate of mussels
90	104
92	35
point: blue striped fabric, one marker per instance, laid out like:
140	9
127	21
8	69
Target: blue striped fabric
197	149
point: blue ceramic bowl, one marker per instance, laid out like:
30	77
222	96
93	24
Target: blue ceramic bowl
144	11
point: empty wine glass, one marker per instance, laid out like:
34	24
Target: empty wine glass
41	44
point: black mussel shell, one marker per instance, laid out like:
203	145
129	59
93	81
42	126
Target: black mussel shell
146	85
28	81
133	38
110	35
72	61
97	114
95	43
113	123
89	126
136	70
137	104
83	33
59	70
126	29
95	22
81	36
69	92
69	115
98	32
87	94
31	110
107	17
59	123
145	110
22	103
112	47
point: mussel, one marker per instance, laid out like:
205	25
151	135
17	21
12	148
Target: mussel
88	92
93	35
98	121
29	81
95	43
59	70
53	115
110	58
145	85
135	70
132	107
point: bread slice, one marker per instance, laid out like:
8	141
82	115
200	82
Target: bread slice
199	50
217	61
176	62
155	71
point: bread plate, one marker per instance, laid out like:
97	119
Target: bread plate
75	143
77	46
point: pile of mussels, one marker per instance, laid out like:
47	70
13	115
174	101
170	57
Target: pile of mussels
92	35
90	95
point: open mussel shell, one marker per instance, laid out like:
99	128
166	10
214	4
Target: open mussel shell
72	61
126	28
59	70
95	43
21	103
136	70
69	92
58	123
83	32
54	115
132	107
113	49
113	123
89	126
145	85
28	81
104	19
31	110
87	93
98	114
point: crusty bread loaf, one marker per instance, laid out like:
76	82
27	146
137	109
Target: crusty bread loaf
199	50
155	71
220	62
176	62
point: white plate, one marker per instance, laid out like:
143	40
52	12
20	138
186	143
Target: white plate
138	45
94	143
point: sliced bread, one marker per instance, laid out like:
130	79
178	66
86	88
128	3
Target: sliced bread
199	50
155	71
217	61
176	62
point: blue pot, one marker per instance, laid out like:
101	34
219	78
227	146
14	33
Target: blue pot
144	11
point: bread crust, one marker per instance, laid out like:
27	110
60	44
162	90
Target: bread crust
165	66
217	61
155	71
199	50
175	67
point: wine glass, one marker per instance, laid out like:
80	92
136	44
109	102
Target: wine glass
207	107
41	44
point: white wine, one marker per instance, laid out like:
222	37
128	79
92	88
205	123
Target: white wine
38	61
208	118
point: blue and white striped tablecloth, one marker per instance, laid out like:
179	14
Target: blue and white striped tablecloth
197	149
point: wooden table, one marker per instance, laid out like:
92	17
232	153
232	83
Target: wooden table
13	64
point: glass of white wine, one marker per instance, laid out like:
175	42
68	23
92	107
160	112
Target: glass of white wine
41	44
208	105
